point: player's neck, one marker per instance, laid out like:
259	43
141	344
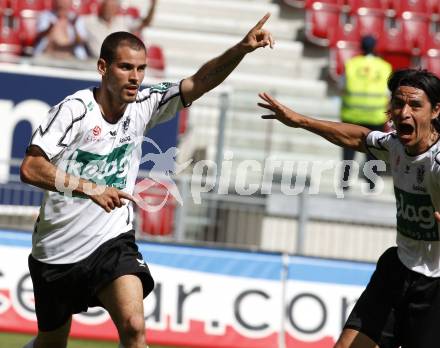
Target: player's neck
111	110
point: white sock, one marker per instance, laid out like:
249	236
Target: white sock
30	344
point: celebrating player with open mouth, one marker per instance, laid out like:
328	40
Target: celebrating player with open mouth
401	304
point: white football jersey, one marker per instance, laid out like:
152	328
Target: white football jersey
416	187
77	139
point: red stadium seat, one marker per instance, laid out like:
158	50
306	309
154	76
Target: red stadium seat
321	22
370	21
4	4
433	7
156	221
346	32
415	28
339	3
10	44
433	41
392	47
155	57
339	54
431	61
35	5
355	5
416	6
27	24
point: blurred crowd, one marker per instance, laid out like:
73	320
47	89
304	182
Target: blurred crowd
66	29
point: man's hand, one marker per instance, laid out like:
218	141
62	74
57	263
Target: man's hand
111	198
280	112
257	36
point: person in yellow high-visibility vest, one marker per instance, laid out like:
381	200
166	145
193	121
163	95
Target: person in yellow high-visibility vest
365	97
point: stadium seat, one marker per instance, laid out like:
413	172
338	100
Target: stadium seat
10	44
392	47
158	222
370	21
416	6
27	25
155	57
346	32
35	5
309	3
4	4
415	28
321	21
433	41
431	61
339	54
355	5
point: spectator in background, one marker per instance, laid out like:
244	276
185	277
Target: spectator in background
61	32
109	21
365	96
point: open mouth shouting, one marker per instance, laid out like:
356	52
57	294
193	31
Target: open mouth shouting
405	132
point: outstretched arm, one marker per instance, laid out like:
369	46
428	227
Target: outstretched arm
214	72
338	133
38	171
146	21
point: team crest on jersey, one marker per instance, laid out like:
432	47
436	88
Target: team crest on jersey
126	124
420	174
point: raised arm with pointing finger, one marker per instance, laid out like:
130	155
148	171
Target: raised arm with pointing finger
214	72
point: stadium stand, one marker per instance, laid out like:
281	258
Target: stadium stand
187	34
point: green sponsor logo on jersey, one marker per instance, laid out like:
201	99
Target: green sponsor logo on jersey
415	216
90	106
110	169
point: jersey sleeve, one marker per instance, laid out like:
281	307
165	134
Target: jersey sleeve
160	103
378	144
60	127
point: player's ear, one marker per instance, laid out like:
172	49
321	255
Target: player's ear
102	66
436	111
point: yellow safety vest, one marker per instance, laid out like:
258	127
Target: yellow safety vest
366	96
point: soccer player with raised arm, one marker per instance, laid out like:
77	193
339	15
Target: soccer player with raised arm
400	306
83	247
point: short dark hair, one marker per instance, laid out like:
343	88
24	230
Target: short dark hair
420	79
368	43
116	39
